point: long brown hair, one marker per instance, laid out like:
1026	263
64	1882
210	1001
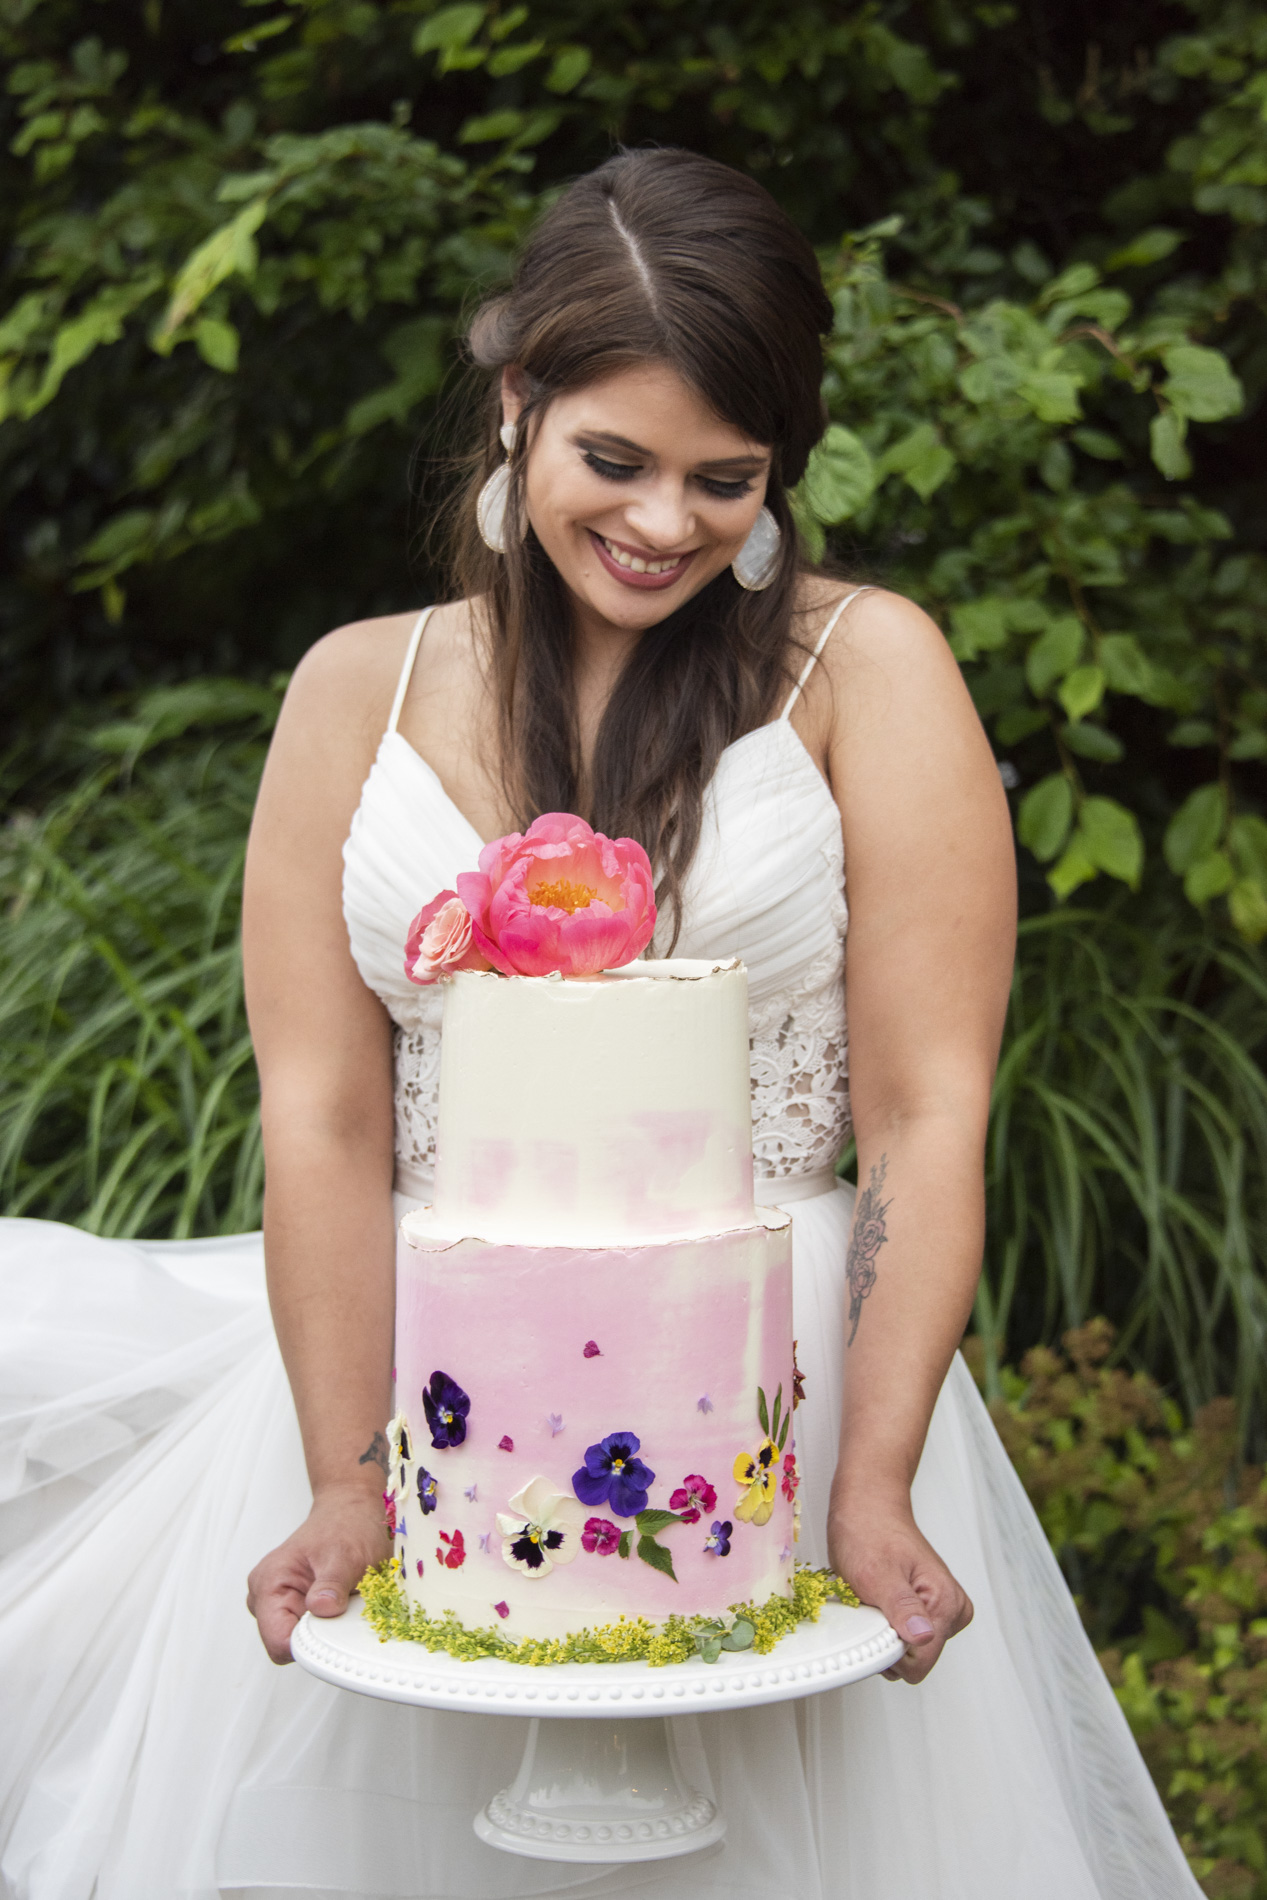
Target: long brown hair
658	256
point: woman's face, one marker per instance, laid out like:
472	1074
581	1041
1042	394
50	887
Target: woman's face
638	493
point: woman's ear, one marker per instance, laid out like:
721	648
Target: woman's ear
514	392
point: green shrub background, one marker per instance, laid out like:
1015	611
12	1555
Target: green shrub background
239	240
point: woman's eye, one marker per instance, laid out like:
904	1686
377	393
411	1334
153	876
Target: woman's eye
725	491
611	471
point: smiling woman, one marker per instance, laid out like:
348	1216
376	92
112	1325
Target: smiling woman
654	429
638	640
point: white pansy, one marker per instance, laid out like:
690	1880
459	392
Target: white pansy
542	1528
399	1452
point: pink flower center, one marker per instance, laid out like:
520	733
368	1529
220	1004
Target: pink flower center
564	895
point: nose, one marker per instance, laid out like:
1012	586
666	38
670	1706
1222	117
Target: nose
660	515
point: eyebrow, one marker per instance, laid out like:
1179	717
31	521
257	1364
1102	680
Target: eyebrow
623	442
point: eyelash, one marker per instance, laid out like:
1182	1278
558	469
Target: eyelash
626	471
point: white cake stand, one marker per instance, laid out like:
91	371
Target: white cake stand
606	1785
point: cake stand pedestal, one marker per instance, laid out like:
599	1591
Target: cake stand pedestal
605	1785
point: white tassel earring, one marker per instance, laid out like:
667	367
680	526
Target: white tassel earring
757	561
490	504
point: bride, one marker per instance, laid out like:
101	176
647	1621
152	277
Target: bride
637	640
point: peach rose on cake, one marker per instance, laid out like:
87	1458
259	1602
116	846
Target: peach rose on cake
560	897
439	941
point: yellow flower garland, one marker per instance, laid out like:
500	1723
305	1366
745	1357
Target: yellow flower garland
631	1639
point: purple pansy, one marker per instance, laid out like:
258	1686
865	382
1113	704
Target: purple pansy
717	1543
613	1474
600	1536
446	1406
427	1489
694	1496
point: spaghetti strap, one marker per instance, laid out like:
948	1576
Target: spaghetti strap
823	638
406	671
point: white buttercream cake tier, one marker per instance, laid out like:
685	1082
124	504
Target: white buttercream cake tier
594	1367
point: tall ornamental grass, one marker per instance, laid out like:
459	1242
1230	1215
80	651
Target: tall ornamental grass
128	1096
1128	1153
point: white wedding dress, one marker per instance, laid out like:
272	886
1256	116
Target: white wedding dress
149	1455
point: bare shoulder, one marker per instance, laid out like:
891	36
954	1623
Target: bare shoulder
883	635
885	665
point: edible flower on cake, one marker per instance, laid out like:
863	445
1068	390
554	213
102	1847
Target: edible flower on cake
427	1489
601	1536
717	1543
455	1556
758	1473
613	1474
447	1408
542	1528
694	1496
398	1452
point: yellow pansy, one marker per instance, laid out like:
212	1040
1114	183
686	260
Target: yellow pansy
758	1473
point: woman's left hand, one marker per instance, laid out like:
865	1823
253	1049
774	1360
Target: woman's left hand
875	1544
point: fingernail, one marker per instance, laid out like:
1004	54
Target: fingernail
918	1626
329	1596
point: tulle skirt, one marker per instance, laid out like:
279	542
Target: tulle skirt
149	1455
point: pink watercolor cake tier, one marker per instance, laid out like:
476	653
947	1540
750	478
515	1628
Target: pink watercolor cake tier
594	1323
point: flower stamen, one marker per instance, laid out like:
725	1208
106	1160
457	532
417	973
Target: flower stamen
564	895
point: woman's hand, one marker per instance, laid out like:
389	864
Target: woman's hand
318	1567
875	1544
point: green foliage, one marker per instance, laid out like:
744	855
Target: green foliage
1163	1538
1127	1154
128	1097
1088	608
228	303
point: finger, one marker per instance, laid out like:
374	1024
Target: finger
911	1617
277	1617
921	1655
328	1595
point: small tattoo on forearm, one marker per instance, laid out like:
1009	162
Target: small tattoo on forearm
865	1242
376	1454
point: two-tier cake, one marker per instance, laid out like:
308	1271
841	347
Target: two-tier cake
594	1365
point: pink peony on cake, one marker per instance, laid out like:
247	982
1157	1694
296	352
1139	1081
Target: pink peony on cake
594	1358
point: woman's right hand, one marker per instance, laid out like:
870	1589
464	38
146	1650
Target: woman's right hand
318	1566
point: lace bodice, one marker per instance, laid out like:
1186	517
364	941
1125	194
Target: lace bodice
767	885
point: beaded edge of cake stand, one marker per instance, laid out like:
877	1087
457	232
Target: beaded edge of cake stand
631	1639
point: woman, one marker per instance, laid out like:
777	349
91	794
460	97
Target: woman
637	640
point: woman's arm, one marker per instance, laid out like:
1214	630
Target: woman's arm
931	886
323	1046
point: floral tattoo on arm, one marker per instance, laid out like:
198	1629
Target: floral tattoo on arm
375	1453
865	1242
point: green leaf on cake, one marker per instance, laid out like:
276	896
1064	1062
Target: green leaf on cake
763	1411
656	1555
740	1637
626	1540
650	1521
782	1439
